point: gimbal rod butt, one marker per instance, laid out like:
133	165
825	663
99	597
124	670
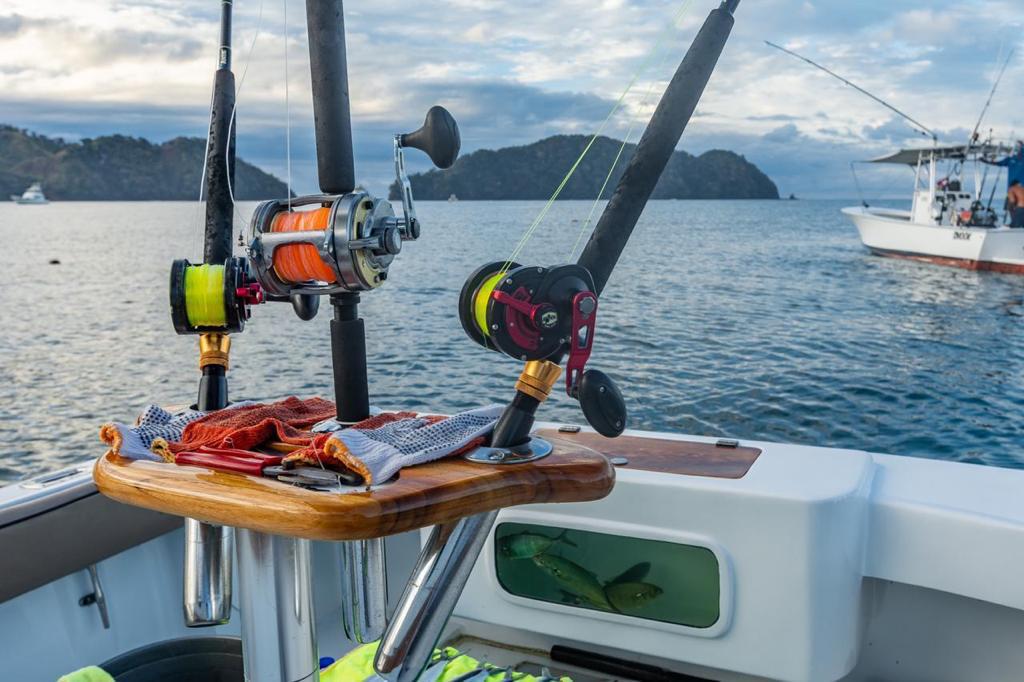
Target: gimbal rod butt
332	120
213	389
514	425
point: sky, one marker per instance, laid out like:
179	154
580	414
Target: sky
514	72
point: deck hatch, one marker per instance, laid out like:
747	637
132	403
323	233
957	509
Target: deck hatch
654	580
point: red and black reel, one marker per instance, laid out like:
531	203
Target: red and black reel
525	312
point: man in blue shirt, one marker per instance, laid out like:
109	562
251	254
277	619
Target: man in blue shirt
1014	165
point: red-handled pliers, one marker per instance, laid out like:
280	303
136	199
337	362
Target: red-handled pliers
228	459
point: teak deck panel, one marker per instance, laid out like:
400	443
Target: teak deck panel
667	456
438	492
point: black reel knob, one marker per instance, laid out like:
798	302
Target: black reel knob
439	138
305	306
602	403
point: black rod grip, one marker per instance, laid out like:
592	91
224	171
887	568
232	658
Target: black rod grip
348	354
656	148
515	423
213	389
332	120
220	170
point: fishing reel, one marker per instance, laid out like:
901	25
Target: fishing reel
212	298
321	244
539	314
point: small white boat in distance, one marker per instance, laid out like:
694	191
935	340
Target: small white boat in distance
946	224
33	195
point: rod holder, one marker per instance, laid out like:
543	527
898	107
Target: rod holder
365	593
207	584
276	604
430	596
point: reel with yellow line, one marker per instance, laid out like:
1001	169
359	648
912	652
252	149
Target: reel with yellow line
212	298
542	315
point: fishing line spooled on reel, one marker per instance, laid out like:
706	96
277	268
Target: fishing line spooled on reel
307	246
540	315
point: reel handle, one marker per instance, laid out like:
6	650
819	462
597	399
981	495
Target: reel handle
602	403
438	137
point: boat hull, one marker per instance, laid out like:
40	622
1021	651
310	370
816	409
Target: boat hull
891	233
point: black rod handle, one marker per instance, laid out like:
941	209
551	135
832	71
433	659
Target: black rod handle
332	119
348	355
656	146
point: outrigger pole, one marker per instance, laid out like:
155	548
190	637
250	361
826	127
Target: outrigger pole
209	549
921	128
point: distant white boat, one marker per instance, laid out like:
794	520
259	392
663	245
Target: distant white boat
452	197
33	195
947	225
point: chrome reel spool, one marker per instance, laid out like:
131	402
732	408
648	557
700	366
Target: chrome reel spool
356	241
327	244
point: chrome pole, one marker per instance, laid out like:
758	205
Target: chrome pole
276	604
207	585
430	597
365	589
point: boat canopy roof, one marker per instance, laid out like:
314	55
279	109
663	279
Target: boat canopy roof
910	157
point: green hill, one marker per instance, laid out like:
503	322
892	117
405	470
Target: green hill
117	167
533	172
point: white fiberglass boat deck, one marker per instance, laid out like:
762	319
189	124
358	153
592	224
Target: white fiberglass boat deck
828	565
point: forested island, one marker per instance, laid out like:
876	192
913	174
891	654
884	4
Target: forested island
534	171
117	167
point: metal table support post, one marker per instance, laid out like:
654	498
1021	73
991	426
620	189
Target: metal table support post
430	596
276	604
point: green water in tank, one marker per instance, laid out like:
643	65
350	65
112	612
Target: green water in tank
651	579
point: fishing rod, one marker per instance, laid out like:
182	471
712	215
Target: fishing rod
212	300
542	315
921	128
977	126
988	102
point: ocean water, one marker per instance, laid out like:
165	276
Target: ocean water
753	320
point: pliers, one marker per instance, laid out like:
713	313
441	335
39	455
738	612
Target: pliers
229	459
262	464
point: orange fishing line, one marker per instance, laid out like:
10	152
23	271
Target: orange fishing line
301	262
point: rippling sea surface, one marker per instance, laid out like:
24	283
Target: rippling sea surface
755	320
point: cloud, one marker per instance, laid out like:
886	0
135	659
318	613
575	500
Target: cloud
515	72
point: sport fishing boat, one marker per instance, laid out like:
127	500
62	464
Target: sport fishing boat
32	195
533	551
947	223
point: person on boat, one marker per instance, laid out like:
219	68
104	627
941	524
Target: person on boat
1015	203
